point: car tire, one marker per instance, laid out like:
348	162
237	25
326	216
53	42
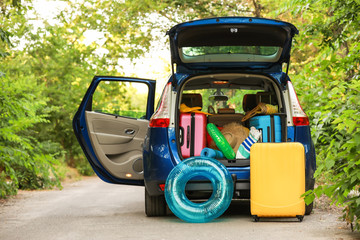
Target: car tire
155	206
309	208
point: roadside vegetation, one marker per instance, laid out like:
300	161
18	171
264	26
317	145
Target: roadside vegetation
45	68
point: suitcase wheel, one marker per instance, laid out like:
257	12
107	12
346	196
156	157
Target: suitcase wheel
300	217
255	218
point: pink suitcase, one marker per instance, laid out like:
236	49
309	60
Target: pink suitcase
192	134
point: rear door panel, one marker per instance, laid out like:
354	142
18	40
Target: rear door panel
117	143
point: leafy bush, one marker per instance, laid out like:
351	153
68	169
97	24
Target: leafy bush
327	63
338	145
83	166
25	162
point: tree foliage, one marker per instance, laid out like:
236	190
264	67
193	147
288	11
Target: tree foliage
326	63
25	161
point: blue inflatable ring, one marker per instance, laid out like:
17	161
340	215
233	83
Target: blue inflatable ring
203	167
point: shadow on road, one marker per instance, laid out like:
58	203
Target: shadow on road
238	208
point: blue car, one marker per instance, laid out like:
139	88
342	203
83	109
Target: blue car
223	66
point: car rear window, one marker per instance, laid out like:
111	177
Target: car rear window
256	50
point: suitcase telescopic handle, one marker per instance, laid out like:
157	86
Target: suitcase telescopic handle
188	137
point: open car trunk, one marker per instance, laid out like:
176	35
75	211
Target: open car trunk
224	100
231	42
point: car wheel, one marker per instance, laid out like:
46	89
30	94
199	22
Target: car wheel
309	208
155	205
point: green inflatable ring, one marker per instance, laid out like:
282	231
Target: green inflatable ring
220	141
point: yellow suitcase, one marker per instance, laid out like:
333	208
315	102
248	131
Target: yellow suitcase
277	180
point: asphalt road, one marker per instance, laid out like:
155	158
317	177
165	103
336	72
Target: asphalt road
92	209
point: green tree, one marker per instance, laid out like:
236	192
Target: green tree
325	69
25	162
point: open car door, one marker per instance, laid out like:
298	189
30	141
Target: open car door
111	124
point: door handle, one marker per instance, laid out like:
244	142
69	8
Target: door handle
129	131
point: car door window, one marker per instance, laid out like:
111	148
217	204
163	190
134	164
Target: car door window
126	99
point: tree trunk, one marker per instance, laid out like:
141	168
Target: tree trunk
257	8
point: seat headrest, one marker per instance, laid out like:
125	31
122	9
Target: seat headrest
266	97
192	99
249	102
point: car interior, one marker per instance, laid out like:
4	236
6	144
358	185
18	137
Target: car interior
226	98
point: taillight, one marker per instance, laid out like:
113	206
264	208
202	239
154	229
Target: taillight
162	186
301	121
161	118
159	122
299	116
